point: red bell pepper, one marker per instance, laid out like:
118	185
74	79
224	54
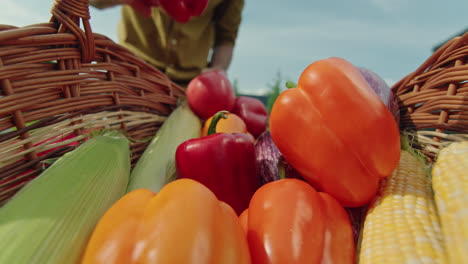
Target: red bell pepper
209	93
196	7
253	112
224	162
336	132
289	222
177	9
180	10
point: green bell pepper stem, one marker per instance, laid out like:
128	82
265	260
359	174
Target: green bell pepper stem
215	120
281	169
290	84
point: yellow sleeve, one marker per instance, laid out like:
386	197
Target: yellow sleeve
227	20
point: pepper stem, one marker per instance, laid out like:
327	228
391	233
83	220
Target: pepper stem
281	169
215	120
290	84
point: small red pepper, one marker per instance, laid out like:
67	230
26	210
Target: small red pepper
196	7
224	162
181	10
253	112
176	9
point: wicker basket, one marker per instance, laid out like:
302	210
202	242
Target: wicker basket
433	100
59	81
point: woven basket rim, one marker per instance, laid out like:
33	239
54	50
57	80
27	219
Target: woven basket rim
58	79
433	99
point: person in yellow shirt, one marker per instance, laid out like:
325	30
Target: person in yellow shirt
180	50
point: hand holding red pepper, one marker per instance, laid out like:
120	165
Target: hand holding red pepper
183	10
180	10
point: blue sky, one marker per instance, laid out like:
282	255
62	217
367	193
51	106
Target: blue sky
390	37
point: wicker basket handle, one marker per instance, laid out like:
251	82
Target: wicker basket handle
68	14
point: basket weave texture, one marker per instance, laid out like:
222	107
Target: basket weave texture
59	81
433	100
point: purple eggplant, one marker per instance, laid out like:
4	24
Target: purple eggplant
271	164
356	216
383	91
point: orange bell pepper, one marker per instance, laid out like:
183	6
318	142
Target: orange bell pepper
336	132
183	223
289	222
224	121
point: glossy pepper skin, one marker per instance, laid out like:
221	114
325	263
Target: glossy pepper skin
289	222
209	93
253	112
223	121
336	132
224	162
196	7
183	223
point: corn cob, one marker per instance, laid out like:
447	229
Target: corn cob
450	184
401	224
51	218
156	166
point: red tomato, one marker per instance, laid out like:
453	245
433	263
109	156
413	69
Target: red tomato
209	93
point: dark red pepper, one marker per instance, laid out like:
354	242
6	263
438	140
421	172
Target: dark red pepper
176	9
196	7
223	162
180	10
253	112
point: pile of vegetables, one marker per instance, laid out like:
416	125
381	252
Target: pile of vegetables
326	177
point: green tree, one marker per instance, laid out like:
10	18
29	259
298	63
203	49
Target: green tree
275	90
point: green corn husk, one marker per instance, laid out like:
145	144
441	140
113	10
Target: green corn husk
51	218
156	166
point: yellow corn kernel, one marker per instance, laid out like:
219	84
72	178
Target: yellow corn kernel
450	184
401	224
